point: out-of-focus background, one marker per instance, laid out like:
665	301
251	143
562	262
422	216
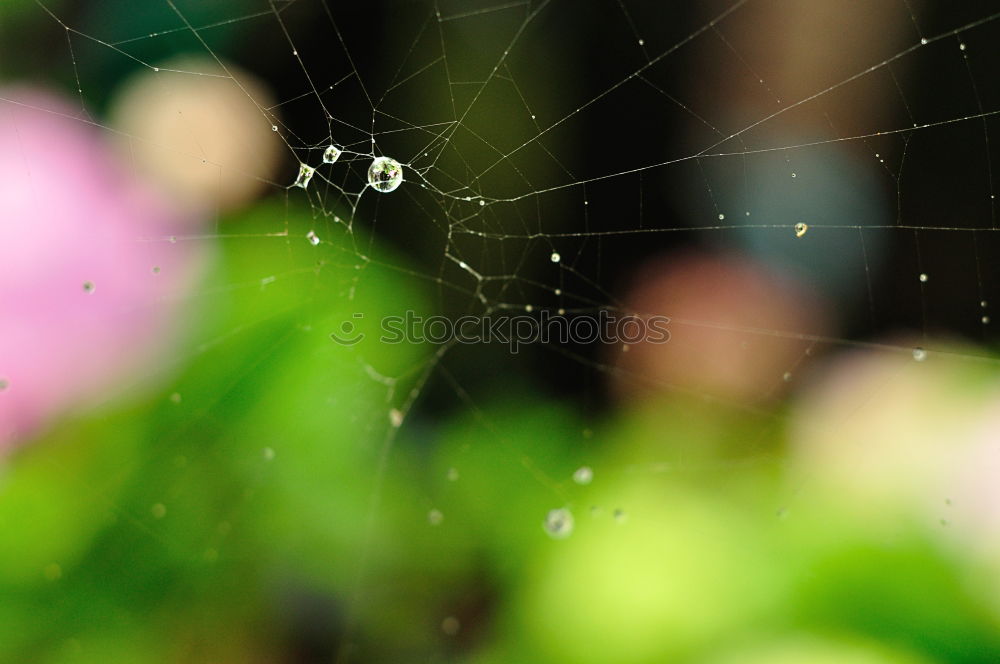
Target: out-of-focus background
192	469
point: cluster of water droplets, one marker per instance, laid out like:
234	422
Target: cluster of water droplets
385	174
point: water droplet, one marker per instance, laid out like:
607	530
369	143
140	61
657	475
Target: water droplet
583	475
558	291
642	42
385	174
435	517
331	154
558	523
274	127
88	287
787	377
923	277
721	217
923	41
801	228
919	354
555	257
396	418
961	46
159	510
794	175
305	175
620	516
268	453
529	308
313	238
986	320
984	304
453	474
450	625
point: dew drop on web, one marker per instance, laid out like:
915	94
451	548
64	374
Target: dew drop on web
583	475
331	154
558	523
305	176
385	174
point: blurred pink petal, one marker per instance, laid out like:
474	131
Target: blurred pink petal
84	268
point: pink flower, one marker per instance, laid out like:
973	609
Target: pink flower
88	279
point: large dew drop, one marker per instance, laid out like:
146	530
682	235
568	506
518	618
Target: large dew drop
385	174
558	523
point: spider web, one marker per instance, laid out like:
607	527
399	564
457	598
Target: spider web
546	155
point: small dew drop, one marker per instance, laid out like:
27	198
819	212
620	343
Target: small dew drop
721	217
642	42
482	203
396	418
453	474
331	154
801	229
620	516
986	320
313	238
435	517
787	377
159	510
923	41
274	127
794	175
558	523
305	175
919	354
923	277
583	475
385	174
984	304
532	116
961	46
555	257
450	626
156	69
561	311
558	291
88	287
268	453
529	308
